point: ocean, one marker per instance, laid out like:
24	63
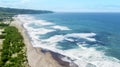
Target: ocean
88	39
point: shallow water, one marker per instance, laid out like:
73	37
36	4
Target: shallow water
87	38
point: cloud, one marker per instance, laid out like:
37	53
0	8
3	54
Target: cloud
13	3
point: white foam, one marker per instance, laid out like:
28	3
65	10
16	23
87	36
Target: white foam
25	18
30	19
106	63
82	56
58	38
38	30
92	56
42	22
60	27
55	39
83	35
68	39
65	59
81	45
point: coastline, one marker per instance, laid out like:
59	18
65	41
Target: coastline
35	57
91	56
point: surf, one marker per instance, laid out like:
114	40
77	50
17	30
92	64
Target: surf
80	54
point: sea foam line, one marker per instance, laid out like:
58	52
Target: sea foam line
60	27
81	56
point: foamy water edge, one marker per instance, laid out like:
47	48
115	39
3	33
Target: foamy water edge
81	56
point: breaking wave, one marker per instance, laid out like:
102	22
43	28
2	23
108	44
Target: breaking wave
72	45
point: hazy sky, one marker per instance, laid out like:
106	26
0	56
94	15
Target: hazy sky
65	5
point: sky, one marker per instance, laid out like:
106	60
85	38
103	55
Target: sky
65	5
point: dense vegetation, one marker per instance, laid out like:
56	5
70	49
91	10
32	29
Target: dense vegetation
22	11
13	49
2	25
8	13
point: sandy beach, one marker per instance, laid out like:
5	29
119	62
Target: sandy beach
35	57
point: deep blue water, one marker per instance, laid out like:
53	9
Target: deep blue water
86	39
105	25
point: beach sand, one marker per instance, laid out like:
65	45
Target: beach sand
35	56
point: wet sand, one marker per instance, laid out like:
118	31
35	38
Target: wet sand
35	56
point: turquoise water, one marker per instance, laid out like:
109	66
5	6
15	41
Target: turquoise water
106	25
90	37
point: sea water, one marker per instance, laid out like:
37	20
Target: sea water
88	39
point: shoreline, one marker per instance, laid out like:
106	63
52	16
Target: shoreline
35	56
